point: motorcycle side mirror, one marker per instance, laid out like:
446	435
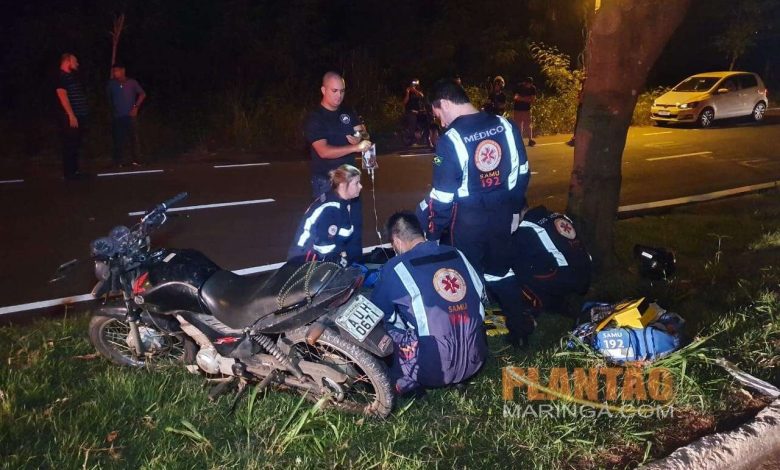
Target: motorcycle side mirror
63	270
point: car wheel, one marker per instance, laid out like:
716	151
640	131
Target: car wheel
706	117
758	111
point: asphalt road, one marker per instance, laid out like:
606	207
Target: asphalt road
47	221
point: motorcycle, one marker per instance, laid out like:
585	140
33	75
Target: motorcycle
303	328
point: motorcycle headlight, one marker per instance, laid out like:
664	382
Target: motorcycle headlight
102	272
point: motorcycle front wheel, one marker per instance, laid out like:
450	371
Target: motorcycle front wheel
109	333
367	390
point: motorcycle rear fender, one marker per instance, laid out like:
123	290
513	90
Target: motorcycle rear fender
377	342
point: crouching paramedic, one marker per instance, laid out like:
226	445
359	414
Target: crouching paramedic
327	231
431	298
551	262
480	176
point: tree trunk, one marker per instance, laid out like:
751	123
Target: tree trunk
626	38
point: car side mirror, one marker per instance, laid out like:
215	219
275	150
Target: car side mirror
722	90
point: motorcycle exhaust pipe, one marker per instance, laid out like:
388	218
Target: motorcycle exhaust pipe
314	332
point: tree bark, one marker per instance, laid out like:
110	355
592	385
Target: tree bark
626	38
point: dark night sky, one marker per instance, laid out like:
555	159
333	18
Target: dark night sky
187	53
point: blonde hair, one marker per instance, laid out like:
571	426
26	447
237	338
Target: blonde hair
342	174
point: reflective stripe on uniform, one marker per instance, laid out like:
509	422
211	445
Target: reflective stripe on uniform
492	278
441	196
324	249
463	159
345	232
544	237
476	281
417	307
423	205
513	155
312	219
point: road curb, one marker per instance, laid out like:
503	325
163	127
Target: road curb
743	448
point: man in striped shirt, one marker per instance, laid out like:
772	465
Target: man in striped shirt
73	112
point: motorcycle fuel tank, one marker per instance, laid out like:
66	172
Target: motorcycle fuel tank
175	278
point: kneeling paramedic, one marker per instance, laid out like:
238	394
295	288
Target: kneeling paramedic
328	229
549	262
431	299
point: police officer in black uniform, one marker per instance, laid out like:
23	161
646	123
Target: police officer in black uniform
335	137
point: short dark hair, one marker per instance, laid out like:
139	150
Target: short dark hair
404	226
448	89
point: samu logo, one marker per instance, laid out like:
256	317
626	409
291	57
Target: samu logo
345	119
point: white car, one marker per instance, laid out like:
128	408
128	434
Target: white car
702	98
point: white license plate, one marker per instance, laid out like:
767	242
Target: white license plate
664	113
359	317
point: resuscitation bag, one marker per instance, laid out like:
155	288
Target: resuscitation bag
633	330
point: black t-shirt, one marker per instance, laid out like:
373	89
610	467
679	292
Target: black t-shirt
524	91
78	98
497	103
414	103
333	126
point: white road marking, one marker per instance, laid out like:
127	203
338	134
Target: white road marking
549	143
209	206
11	181
658	133
88	297
699	197
123	173
682	155
241	164
416	154
661	144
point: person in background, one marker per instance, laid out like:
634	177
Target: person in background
73	113
431	299
524	98
496	102
414	107
126	97
336	137
327	231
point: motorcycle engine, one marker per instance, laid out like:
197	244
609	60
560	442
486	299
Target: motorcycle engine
151	339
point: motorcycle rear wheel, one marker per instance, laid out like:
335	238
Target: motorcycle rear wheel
368	390
108	333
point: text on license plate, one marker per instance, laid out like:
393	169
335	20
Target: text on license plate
664	113
359	318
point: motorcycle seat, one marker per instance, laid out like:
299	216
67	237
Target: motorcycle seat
240	301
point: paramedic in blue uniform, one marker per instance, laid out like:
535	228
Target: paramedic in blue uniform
548	263
431	299
480	175
551	262
330	130
327	231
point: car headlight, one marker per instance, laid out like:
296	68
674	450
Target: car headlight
689	105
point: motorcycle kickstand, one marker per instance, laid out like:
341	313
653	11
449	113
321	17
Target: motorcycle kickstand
243	384
220	388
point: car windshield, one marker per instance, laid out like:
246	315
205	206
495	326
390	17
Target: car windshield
696	84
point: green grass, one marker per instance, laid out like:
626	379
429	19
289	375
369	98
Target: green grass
61	407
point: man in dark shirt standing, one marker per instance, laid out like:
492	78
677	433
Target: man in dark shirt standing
73	112
336	137
525	95
125	96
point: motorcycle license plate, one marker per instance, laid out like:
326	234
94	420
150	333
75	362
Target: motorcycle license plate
359	318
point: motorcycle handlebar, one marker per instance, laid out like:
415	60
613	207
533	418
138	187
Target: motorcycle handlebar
174	200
